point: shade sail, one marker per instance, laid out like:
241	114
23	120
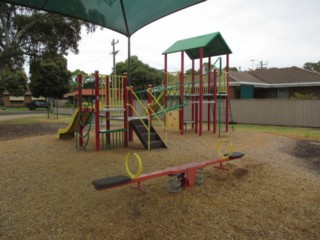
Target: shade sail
213	44
123	16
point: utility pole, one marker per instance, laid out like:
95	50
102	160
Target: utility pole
114	53
263	65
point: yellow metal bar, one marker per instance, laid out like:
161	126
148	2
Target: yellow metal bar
154	114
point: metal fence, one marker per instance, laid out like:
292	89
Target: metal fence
295	113
298	113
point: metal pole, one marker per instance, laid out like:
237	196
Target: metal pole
227	94
97	112
201	91
129	62
181	99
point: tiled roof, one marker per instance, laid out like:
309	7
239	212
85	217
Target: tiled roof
85	92
244	77
286	75
277	76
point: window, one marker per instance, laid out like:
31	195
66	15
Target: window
283	93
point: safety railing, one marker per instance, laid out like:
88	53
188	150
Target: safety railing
173	79
115	90
156	114
140	117
222	82
150	112
113	138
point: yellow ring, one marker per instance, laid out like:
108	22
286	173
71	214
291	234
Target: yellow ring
127	167
224	155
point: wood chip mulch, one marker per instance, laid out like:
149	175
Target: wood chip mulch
46	191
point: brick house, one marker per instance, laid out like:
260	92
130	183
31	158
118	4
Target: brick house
87	95
19	101
274	83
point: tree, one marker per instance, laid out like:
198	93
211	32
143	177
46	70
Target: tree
300	96
206	69
141	74
28	34
74	82
15	82
312	66
50	77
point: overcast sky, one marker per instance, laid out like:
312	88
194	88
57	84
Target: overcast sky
281	33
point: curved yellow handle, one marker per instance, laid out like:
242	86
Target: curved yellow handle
127	166
221	143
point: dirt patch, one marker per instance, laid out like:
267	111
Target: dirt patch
14	131
308	151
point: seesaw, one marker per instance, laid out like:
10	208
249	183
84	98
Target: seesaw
181	176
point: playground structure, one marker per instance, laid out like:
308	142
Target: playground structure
182	176
114	100
200	89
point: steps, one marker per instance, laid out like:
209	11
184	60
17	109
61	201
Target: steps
142	133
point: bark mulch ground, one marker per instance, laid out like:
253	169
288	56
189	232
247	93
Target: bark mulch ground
46	190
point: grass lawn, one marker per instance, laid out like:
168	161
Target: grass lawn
39	118
296	132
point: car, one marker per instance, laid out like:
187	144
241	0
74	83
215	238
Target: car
34	104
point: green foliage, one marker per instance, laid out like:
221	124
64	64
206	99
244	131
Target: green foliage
30	34
78	71
196	72
15	82
74	82
299	96
234	69
141	74
50	77
312	66
206	69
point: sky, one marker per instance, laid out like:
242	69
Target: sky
278	33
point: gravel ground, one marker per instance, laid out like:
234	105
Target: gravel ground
46	192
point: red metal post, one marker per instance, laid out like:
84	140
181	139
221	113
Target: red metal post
192	97
200	91
209	91
125	112
165	82
149	103
108	114
196	117
181	110
130	113
79	109
215	101
97	112
227	94
165	78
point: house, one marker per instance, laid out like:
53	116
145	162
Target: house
274	83
10	101
87	96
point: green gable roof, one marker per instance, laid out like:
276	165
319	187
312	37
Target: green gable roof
213	44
